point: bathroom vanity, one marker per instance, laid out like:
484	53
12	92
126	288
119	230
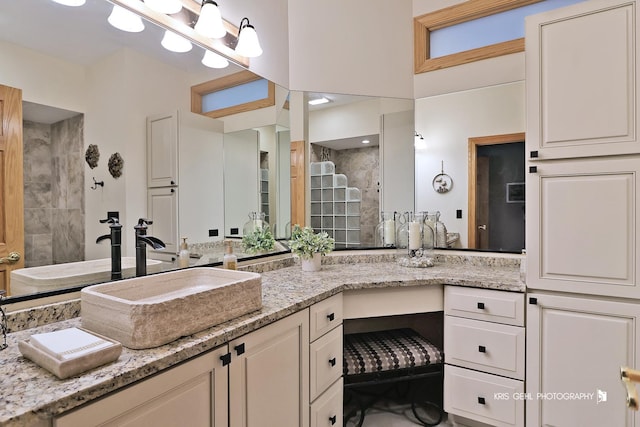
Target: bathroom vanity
290	341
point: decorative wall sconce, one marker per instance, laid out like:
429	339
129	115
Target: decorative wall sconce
125	20
248	44
210	21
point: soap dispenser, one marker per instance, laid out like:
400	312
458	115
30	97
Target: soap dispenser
230	260
183	255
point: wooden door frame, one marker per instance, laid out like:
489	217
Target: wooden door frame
474	143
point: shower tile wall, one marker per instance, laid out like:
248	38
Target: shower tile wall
54	192
362	166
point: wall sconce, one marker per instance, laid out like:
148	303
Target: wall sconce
213	60
209	22
175	43
125	20
248	44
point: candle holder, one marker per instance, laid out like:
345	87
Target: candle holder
386	230
411	241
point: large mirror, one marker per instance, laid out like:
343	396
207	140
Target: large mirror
85	82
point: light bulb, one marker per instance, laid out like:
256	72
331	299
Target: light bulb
165	6
175	43
210	21
213	60
248	44
71	2
125	20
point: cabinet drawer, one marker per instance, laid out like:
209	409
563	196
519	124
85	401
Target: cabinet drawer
324	316
327	410
326	362
485	346
483	397
485	304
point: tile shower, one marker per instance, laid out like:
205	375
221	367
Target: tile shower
54	191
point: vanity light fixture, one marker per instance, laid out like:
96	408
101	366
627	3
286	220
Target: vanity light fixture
125	20
165	6
213	60
210	21
71	2
318	101
175	43
248	44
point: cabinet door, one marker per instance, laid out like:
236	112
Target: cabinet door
582	227
581	81
194	394
162	209
575	348
269	375
162	150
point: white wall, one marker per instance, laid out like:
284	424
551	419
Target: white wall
446	122
361	47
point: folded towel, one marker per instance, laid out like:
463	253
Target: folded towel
68	343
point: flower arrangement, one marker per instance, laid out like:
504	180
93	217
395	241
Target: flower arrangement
258	240
304	242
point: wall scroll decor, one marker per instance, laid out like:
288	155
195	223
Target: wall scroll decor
442	182
116	163
92	155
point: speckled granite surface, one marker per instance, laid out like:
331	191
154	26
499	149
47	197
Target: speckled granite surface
30	394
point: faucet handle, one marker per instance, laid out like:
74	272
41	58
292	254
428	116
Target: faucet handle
144	221
110	220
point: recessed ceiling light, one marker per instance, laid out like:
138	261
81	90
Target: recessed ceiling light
319	101
365	141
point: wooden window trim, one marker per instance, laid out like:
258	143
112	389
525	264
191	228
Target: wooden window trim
236	79
457	14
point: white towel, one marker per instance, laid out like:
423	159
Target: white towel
68	343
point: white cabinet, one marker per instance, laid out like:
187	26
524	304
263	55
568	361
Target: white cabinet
326	358
269	375
577	345
162	150
484	344
194	394
581	79
582	226
162	210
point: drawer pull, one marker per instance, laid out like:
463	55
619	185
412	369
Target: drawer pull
533	169
333	419
481	400
332	361
226	359
480	306
482	349
534	154
239	349
331	317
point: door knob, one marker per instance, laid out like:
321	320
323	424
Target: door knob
12	258
482	227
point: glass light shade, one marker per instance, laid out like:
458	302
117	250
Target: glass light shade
71	2
125	20
213	60
175	43
248	44
165	6
210	21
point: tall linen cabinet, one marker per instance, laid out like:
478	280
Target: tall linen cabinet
582	207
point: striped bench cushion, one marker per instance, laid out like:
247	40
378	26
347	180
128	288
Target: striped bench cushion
388	350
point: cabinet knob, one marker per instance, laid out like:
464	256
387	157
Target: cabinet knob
482	349
173	190
481	400
239	349
533	154
533	169
173	183
332	361
331	317
226	359
333	419
480	306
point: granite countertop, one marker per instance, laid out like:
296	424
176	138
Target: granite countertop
30	394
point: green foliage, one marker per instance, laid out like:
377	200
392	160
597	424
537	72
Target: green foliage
260	239
304	242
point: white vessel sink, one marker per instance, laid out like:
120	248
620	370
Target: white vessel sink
149	311
56	276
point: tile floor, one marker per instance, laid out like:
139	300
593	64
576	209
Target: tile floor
393	415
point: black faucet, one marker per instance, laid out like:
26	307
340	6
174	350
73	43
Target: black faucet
116	240
142	240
